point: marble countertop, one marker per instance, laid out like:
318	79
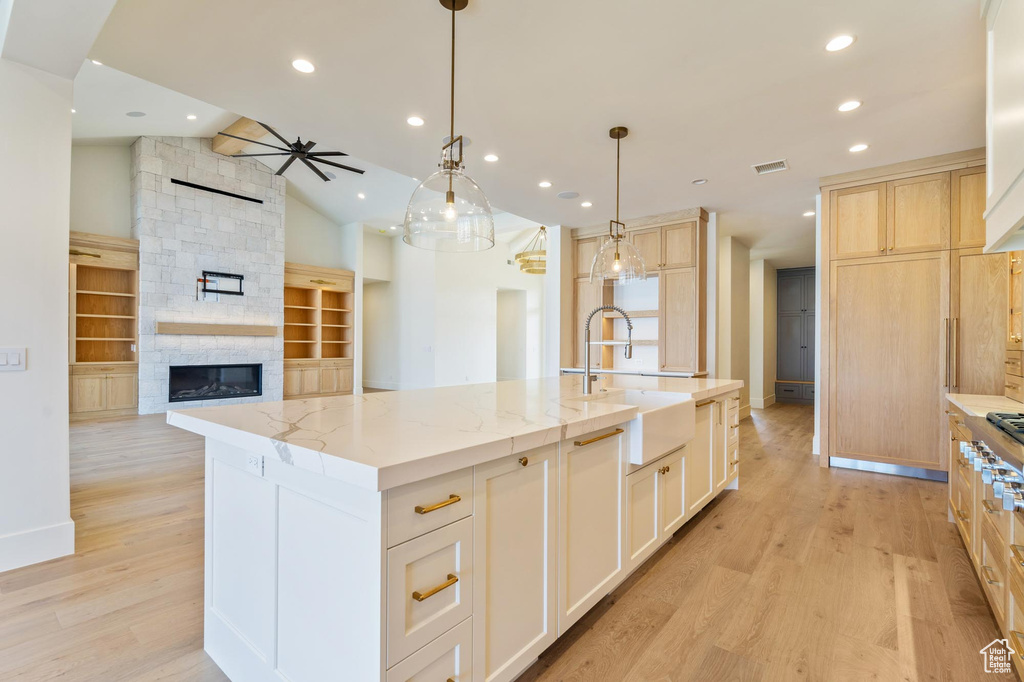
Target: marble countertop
684	375
981	405
382	440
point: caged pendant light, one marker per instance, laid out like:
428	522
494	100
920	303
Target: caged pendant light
449	211
618	260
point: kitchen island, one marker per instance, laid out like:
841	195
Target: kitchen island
450	533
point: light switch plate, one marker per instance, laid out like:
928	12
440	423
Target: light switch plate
15	359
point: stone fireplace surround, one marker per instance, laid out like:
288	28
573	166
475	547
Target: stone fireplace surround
183	231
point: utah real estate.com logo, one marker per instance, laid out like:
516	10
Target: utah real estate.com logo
997	656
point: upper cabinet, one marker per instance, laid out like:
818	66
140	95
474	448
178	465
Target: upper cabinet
909	215
1004	125
679	245
967	212
648	245
917	215
586	249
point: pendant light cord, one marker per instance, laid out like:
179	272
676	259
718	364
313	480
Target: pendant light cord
451	129
618	147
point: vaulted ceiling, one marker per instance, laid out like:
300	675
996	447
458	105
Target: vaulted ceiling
707	90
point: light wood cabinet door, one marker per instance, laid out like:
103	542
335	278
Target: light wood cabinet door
679	324
587	296
967	208
978	304
591	499
122	391
648	244
310	380
699	482
292	382
641	516
88	393
586	249
515	604
336	380
889	323
1015	311
857	221
679	245
917	211
719	452
672	511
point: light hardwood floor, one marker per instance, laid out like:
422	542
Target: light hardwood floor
801	574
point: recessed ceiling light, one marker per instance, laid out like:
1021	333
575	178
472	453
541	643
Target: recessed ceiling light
491	158
303	65
586	204
858	147
361	195
839	43
72	111
394	227
808	214
544	183
849	106
414	121
97	62
136	114
191	117
568	195
700	181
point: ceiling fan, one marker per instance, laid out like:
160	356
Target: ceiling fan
295	150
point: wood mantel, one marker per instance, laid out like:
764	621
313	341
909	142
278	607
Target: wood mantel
203	329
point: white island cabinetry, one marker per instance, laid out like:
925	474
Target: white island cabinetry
462	562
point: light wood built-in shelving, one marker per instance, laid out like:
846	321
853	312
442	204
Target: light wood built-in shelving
318	330
102	325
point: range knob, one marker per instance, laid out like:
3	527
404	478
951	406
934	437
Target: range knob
989	473
984	462
1008	481
1013	500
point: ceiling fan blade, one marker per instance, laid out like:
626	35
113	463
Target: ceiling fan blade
328	154
316	170
309	145
242	156
245	139
337	165
282	169
274	133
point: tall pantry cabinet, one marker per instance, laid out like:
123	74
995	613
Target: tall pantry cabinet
912	308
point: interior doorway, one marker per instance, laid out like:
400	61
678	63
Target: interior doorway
511	335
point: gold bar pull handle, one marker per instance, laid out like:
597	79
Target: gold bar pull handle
76	252
702	403
987	570
579	443
452	499
1018	644
420	596
990	507
322	281
963	515
1018	554
955	351
945	360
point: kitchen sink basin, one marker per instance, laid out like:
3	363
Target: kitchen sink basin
666	421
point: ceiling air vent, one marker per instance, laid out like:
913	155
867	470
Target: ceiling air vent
770	167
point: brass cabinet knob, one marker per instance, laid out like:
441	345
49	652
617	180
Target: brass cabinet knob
524	460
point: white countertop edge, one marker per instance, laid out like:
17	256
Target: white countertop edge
980	405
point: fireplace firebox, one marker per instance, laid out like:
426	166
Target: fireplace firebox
214	382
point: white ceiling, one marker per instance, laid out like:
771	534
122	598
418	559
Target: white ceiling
706	88
104	95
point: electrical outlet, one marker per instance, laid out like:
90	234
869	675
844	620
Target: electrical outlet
254	464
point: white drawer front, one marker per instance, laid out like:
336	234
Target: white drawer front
449	657
430	587
421	507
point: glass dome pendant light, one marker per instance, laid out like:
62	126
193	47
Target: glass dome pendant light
449	211
618	260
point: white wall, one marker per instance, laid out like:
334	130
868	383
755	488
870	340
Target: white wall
377	256
35	115
511	334
435	323
558	309
733	341
763	334
101	190
310	238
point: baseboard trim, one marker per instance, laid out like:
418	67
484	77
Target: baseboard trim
382	385
761	403
37	545
744	411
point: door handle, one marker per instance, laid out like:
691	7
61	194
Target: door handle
955	352
580	443
945	360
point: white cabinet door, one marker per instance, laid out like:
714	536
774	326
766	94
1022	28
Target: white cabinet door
514	589
641	515
671	493
699	483
591	498
720	457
